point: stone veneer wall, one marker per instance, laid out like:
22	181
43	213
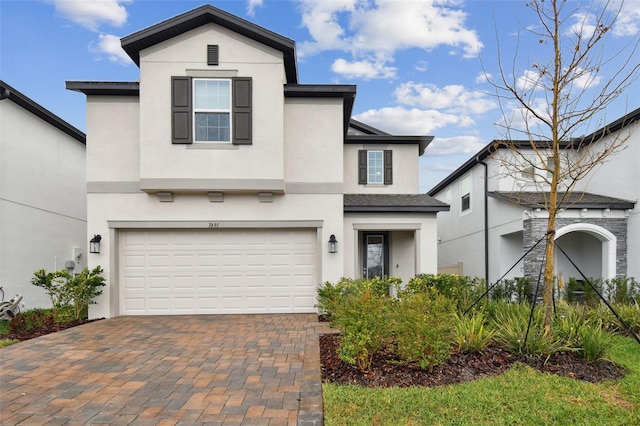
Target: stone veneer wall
536	228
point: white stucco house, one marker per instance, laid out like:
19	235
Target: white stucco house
43	196
220	184
496	216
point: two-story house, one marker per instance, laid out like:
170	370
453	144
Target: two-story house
497	214
43	201
220	184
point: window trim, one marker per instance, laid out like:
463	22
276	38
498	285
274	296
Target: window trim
195	110
375	172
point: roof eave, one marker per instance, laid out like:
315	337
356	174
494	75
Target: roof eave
39	111
105	88
395	209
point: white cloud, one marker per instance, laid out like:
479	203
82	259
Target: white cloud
518	122
109	45
452	98
455	146
363	69
628	23
484	77
386	26
252	6
529	80
403	121
93	13
584	79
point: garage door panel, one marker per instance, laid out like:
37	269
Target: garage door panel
227	271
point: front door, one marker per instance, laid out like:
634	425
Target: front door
375	259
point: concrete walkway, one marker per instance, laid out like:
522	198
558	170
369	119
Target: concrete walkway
168	370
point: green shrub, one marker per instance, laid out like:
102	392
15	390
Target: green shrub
624	290
54	284
330	295
594	343
511	321
568	322
472	333
464	291
423	326
65	290
363	321
516	290
579	291
84	288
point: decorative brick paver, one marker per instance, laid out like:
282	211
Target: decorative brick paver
168	370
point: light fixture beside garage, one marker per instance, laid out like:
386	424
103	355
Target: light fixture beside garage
333	244
94	244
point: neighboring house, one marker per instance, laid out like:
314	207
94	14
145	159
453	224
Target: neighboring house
219	184
496	217
43	200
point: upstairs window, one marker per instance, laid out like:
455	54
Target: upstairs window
211	110
465	194
375	167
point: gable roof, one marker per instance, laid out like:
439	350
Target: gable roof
494	145
421	203
8	92
134	43
575	200
365	128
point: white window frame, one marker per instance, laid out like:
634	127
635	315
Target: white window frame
381	181
212	110
464	191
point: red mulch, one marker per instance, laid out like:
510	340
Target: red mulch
387	371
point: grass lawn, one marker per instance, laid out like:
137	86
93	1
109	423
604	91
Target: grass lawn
521	396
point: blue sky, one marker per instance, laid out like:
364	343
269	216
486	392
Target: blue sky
420	66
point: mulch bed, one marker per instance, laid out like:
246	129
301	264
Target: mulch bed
45	329
388	371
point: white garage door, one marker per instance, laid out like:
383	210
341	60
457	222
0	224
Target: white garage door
217	271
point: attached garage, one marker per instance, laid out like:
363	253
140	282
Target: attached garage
217	271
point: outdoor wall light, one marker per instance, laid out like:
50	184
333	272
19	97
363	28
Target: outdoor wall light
333	244
94	244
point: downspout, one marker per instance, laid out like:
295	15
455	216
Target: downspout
486	221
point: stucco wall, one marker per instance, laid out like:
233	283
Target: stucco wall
185	55
405	170
42	201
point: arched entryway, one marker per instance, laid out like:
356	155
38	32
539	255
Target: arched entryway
591	247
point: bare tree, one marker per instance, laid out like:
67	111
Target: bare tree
559	95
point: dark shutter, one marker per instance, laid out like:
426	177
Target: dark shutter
212	54
362	167
241	110
388	167
181	110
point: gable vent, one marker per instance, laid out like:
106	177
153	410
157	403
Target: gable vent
212	54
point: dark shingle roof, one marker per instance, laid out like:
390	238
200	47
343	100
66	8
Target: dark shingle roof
393	203
575	200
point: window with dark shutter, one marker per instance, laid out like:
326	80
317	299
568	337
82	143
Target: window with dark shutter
242	101
388	167
181	110
212	54
362	167
211	122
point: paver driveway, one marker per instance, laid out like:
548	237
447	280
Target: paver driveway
196	369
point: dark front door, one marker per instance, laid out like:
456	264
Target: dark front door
376	258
